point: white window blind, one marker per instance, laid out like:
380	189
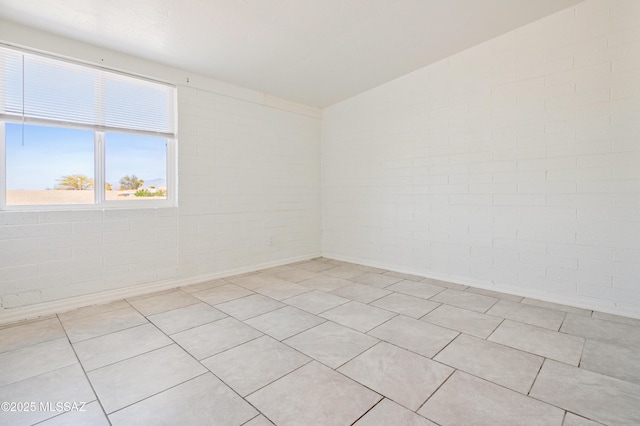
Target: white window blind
40	89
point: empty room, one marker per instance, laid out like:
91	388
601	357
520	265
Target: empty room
336	212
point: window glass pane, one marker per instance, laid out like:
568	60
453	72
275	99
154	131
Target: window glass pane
48	165
135	167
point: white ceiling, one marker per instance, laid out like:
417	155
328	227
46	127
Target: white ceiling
316	52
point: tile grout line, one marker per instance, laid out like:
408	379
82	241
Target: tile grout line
159	392
188	380
359	353
539	400
445	347
86	376
114	331
279	378
370	408
422	318
436	391
131	357
544	359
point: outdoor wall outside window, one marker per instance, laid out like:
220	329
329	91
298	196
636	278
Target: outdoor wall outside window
79	136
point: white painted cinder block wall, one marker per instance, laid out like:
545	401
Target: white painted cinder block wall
249	197
514	165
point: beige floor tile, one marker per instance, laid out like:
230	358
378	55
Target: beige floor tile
314	395
388	413
255	364
110	348
376	280
193	288
316	301
284	322
592	395
204	400
31	333
335	262
222	294
83	328
358	316
571	419
249	306
282	290
94	310
361	293
215	337
616	318
417	289
90	414
540	341
331	344
258	421
411	306
558	307
468	400
298	263
463	320
496	363
404	276
345	272
495	294
295	275
254	281
400	375
315	266
164	302
528	314
325	283
462	299
132	380
29	361
616	361
371	269
602	330
181	319
67	384
417	336
445	284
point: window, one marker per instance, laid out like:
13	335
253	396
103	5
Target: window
81	136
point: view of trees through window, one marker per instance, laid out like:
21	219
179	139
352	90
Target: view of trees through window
52	165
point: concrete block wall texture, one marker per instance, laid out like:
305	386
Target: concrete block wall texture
249	184
248	188
514	165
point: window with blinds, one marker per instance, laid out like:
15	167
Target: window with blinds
75	134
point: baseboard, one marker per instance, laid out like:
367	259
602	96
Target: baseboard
11	315
586	303
60	306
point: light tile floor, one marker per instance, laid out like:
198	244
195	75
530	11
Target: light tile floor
323	342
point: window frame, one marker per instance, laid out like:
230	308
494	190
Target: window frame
99	132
